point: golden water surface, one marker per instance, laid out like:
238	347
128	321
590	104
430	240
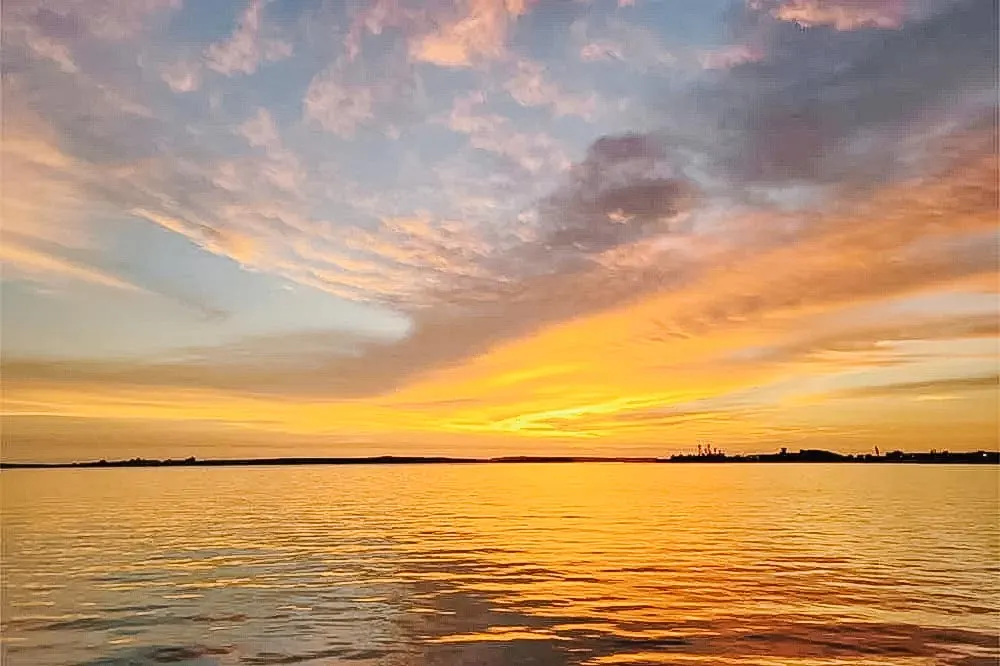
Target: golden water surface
502	564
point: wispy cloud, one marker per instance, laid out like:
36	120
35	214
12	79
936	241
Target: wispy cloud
106	20
617	41
925	389
21	261
248	46
530	86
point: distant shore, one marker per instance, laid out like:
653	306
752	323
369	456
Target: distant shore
802	456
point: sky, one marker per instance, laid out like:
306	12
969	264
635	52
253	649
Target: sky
495	227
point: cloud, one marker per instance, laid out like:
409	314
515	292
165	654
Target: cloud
450	248
620	41
226	241
846	106
260	130
26	262
337	108
496	134
728	56
840	14
114	20
530	87
44	188
675	304
377	15
182	76
56	29
779	190
452	34
602	49
381	91
853	339
68	21
483	298
473	30
927	388
625	190
51	49
250	206
52	231
248	47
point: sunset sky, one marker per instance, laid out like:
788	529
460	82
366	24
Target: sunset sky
486	227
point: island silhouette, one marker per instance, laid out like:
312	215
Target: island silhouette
704	455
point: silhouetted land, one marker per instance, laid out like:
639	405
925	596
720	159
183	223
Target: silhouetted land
803	456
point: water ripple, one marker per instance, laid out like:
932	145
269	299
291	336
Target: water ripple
523	564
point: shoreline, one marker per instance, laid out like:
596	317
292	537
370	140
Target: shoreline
805	456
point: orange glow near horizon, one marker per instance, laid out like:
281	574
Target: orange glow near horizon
461	242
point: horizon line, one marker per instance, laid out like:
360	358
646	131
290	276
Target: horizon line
802	455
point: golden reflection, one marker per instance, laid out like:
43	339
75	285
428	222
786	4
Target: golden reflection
614	561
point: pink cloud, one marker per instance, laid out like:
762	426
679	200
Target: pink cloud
338	108
246	48
530	87
51	49
182	76
111	19
260	130
493	133
728	56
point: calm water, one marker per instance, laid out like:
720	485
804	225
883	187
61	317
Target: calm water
502	564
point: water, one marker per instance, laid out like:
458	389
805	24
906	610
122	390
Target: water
502	564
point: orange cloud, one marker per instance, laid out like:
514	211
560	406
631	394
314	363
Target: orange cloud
37	204
475	30
841	14
25	262
45	204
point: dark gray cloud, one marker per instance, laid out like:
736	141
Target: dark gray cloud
624	190
627	189
832	106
